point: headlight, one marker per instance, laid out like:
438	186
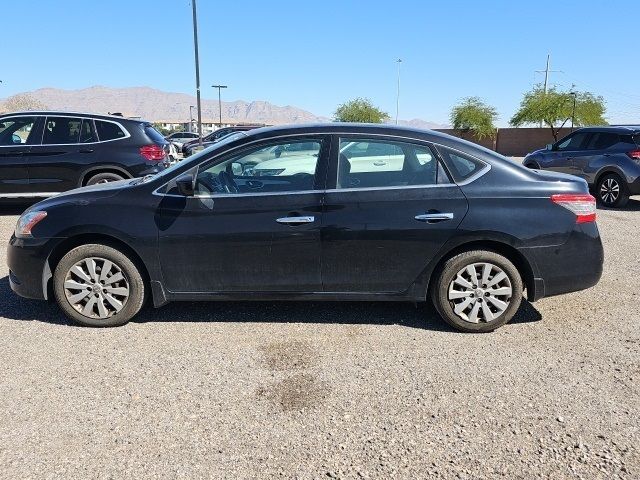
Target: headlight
27	221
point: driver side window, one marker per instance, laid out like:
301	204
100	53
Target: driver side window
285	166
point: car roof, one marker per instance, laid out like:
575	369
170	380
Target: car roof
75	114
353	128
620	129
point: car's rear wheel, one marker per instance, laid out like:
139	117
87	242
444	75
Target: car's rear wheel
104	177
98	286
477	291
612	191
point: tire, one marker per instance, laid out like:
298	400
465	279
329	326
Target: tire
612	191
73	276
490	305
104	177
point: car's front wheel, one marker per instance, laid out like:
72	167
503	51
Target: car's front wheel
96	285
477	291
611	191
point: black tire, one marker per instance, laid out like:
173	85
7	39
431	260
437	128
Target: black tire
104	177
449	271
612	191
132	280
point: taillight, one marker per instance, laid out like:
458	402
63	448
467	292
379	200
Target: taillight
154	153
634	154
582	204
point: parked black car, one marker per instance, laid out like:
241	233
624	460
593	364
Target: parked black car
213	137
324	212
43	153
608	158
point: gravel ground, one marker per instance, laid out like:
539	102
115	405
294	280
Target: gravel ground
301	390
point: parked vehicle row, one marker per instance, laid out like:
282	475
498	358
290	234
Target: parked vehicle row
608	158
192	146
44	153
316	212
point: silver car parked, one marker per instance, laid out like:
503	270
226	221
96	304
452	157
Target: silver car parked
608	158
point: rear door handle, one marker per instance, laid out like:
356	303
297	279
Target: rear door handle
296	220
434	217
86	150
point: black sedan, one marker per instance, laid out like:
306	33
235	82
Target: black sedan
320	212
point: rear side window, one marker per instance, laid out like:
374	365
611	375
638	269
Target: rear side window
602	140
109	131
369	163
61	130
153	134
460	165
636	138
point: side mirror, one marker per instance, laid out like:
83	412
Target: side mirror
16	139
184	183
549	146
236	169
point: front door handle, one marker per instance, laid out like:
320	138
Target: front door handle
434	217
86	150
296	220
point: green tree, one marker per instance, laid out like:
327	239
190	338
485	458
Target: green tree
555	109
472	114
359	110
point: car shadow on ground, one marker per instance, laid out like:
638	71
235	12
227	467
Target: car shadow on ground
632	206
421	316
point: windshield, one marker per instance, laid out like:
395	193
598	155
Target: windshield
196	157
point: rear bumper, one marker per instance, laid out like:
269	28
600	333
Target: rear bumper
572	266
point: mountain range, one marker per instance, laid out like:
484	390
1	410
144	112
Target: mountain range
169	107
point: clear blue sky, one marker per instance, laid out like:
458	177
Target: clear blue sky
317	54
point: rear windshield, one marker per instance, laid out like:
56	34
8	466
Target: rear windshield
153	134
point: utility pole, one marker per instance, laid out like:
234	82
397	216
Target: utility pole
399	61
546	72
219	87
573	112
191	107
195	44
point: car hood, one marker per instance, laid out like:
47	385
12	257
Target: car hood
84	195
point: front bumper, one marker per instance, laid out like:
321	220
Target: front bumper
575	265
29	271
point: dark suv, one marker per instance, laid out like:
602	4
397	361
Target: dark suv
44	153
213	137
608	158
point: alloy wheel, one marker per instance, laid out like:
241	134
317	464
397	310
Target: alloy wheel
480	292
609	190
96	288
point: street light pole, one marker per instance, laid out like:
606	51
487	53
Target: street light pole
399	61
195	44
191	107
219	87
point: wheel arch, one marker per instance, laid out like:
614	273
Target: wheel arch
106	168
606	171
61	249
522	264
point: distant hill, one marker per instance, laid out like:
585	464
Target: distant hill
156	105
